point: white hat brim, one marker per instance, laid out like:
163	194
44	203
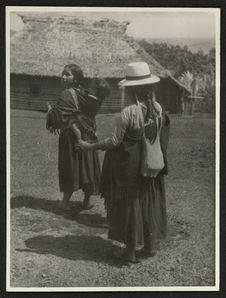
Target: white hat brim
153	79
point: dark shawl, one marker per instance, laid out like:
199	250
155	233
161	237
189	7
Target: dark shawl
63	114
75	106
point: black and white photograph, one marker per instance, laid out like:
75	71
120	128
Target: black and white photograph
112	148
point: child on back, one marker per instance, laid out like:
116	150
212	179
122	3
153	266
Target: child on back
90	103
74	116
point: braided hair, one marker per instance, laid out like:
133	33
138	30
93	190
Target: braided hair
146	94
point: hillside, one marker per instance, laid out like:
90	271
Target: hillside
193	44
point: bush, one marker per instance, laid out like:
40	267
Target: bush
179	59
182	62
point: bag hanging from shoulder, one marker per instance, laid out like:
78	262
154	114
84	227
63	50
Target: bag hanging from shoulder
152	161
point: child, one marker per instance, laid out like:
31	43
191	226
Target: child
90	103
74	116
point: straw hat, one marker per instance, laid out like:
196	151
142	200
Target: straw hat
138	73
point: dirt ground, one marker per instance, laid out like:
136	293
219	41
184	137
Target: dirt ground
54	249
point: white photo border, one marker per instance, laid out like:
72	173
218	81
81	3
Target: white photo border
217	12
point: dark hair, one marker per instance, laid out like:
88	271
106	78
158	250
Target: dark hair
100	88
77	73
145	93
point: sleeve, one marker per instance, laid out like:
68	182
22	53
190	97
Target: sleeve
122	122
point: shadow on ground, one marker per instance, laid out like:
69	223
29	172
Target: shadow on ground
43	204
90	220
81	247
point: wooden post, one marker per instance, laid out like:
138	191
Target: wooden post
187	106
122	98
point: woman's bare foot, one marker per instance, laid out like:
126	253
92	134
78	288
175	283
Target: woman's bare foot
64	204
125	255
146	252
87	206
86	203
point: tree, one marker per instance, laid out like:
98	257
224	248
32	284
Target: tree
179	59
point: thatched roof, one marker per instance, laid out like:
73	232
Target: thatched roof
101	47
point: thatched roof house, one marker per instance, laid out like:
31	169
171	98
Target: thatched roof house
102	49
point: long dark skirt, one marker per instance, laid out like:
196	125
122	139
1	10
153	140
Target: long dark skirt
135	211
77	169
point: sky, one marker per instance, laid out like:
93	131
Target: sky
149	24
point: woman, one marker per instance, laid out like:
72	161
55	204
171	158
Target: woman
74	115
135	205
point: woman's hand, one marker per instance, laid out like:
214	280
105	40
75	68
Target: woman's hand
86	146
54	131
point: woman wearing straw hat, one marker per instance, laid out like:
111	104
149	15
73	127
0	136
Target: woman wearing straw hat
135	204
